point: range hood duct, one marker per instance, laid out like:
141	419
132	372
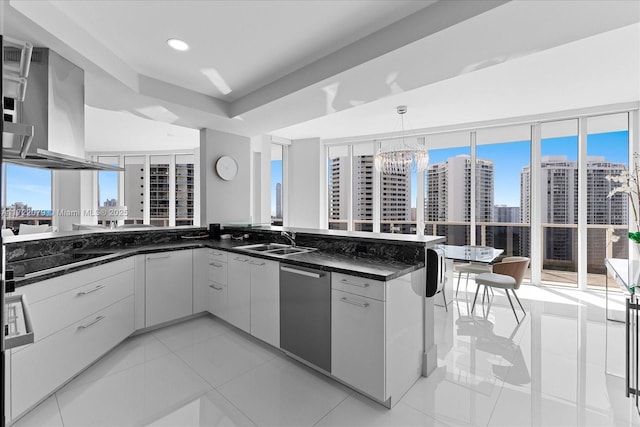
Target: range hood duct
47	130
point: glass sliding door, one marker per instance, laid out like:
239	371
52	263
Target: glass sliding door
559	202
503	158
447	187
608	154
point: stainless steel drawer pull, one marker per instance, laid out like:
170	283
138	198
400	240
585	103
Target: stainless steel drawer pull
301	272
241	259
359	304
360	285
217	253
215	287
150	257
216	265
99	318
97	288
256	263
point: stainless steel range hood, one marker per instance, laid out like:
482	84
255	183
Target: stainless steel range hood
47	129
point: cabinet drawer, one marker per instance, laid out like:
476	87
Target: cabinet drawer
58	312
58	285
358	285
44	366
216	255
358	342
218	300
218	271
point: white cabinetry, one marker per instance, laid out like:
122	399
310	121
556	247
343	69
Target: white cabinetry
253	297
265	300
79	317
217	282
200	280
357	341
169	286
239	292
376	333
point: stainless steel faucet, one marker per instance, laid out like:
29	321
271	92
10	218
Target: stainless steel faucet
291	236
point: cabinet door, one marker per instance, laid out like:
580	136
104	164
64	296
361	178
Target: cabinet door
265	300
200	280
358	342
42	367
169	286
239	292
218	300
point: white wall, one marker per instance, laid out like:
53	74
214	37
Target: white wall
224	201
67	192
304	184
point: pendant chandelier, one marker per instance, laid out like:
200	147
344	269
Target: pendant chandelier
403	156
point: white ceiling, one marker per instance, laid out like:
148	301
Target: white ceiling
334	69
248	43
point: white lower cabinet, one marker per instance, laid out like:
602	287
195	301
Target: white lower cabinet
217	267
245	291
168	286
239	292
358	342
265	300
376	334
200	280
40	368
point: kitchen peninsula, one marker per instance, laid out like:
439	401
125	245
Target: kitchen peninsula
88	291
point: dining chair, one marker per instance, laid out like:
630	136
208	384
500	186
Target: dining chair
470	268
506	275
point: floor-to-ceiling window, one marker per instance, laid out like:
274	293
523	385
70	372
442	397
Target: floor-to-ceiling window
607	155
277	189
134	188
339	191
160	190
502	187
397	198
447	187
519	184
559	202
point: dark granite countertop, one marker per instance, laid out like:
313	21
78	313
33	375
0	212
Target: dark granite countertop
372	268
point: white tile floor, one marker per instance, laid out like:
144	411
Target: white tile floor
549	371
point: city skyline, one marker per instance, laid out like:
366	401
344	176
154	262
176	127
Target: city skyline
32	186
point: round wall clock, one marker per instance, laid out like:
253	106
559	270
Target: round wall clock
227	168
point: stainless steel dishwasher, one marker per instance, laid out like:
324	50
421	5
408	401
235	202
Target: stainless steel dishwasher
305	314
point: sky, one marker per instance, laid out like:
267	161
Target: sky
33	186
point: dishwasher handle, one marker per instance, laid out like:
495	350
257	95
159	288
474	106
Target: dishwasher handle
301	272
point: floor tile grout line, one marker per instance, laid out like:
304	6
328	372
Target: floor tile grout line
71	384
333	409
59	408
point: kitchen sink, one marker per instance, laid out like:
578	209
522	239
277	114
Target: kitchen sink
275	249
289	251
262	247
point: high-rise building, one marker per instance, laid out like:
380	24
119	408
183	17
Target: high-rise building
504	213
559	205
448	195
395	197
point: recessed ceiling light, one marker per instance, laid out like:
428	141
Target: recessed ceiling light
178	44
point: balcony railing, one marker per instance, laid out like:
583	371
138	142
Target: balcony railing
559	245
